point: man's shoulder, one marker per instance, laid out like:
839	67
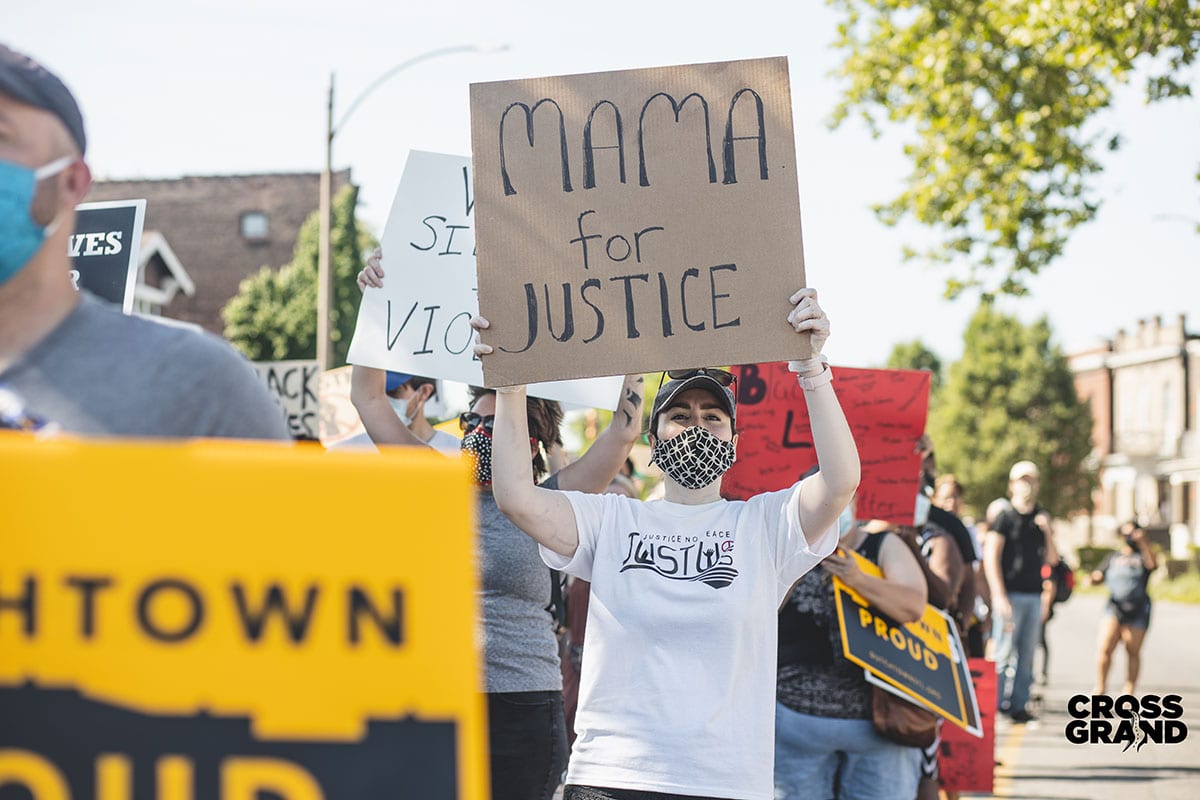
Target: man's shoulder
167	364
1004	521
172	343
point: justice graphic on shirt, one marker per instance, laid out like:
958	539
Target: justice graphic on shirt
707	558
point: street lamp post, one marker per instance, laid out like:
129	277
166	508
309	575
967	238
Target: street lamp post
325	254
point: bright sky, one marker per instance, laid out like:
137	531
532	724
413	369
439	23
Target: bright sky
239	86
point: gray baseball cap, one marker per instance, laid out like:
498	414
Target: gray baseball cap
27	81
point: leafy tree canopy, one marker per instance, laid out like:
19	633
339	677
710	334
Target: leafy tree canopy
915	355
998	94
1012	397
274	315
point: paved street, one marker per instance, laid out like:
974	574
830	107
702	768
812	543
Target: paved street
1037	760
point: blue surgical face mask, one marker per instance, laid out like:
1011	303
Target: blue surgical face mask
20	234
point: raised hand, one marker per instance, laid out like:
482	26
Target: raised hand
372	274
480	324
629	406
808	316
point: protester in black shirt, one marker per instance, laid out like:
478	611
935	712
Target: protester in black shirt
1018	544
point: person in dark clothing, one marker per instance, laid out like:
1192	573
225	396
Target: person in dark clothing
948	502
1018	544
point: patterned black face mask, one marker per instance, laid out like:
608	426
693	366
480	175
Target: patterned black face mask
478	445
694	458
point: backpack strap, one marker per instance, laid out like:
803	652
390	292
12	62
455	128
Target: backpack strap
869	549
558	604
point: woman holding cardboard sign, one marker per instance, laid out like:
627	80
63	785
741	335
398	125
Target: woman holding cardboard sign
526	728
678	680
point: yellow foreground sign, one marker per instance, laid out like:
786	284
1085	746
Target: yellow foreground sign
922	661
231	620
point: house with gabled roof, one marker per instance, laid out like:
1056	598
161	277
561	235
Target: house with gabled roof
204	234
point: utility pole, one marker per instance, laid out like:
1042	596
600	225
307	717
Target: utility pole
325	246
325	254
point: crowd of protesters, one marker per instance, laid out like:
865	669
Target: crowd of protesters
725	680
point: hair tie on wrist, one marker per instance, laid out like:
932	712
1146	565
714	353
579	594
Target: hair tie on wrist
823	378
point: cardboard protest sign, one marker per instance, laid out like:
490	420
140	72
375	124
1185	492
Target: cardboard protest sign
339	421
637	220
918	658
295	386
104	249
297	650
419	322
966	762
886	410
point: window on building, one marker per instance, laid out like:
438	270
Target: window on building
254	225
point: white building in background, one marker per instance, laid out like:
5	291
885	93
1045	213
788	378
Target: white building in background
1144	388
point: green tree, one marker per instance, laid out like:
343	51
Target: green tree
998	95
274	314
1012	397
915	355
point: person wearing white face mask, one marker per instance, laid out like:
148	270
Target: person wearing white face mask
1019	543
70	358
677	693
407	395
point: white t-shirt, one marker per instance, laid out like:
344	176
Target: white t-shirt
446	444
677	691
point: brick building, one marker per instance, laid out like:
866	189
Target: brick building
204	234
1144	389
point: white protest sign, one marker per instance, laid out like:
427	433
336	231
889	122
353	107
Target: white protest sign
295	386
339	420
419	322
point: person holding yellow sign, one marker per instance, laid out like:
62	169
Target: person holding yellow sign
677	687
824	735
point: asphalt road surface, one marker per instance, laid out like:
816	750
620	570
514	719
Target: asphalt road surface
1037	761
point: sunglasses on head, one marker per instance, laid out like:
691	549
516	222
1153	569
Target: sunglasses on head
469	421
719	375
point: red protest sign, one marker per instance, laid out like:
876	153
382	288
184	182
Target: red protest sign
965	762
886	409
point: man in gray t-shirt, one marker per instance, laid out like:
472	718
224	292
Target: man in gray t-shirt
103	373
71	360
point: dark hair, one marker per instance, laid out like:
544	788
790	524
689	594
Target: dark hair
544	417
416	383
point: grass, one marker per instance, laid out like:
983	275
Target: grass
1183	588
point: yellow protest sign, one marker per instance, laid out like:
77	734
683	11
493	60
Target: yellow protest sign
223	619
919	659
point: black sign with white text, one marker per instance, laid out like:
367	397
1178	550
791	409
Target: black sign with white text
104	249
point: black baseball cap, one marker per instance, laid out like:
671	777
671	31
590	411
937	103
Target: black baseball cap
27	81
694	379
